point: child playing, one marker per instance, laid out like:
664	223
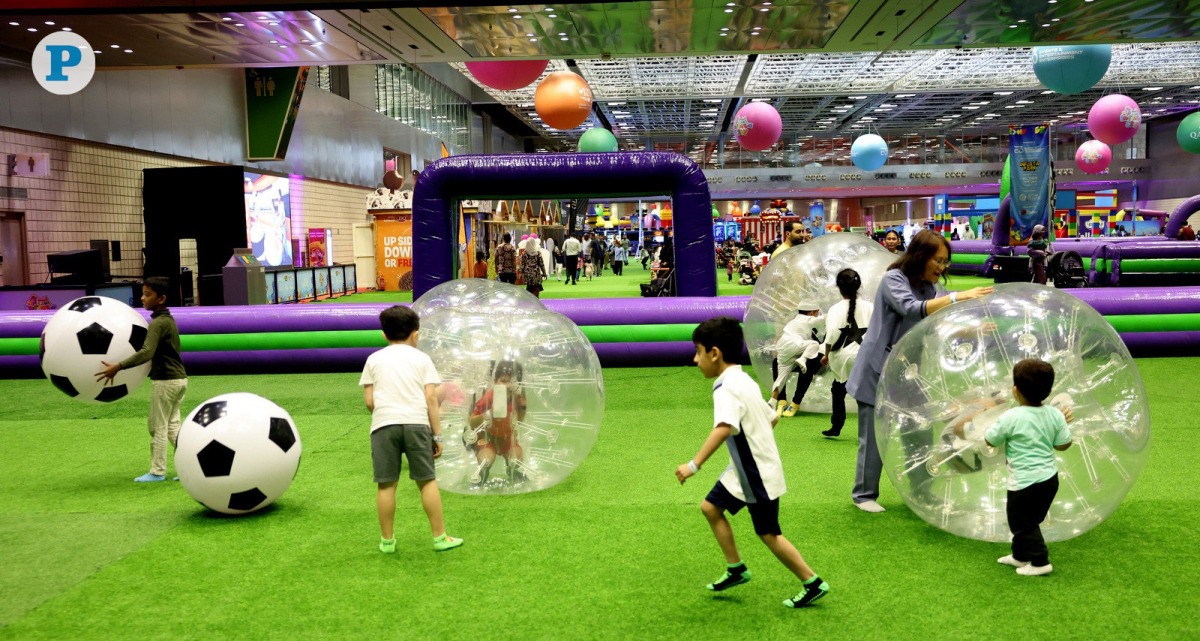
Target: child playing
400	387
168	378
754	478
845	326
798	347
499	408
481	266
1030	435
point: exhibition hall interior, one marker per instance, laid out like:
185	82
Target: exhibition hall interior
920	276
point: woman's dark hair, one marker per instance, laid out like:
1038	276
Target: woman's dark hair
890	232
848	283
920	251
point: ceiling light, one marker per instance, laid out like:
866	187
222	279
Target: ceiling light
97	51
549	8
1010	106
517	17
1021	21
274	42
764	9
1012	26
856	97
129	51
724	28
904	95
66	29
1024	102
554	15
32	29
729	11
115	46
1055	19
50	23
15	24
1047	92
528	35
264	17
1002	93
1046	24
512	10
283	46
562	33
615	104
239	24
226	19
1151	88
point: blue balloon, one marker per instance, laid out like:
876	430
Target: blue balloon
1072	68
869	152
755	210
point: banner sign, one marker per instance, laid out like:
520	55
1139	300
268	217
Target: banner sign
316	248
272	102
393	251
1032	184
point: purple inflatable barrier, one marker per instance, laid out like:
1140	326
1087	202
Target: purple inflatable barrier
448	180
1144	344
1180	216
1152	300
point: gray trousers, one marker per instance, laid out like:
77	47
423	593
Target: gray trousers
870	465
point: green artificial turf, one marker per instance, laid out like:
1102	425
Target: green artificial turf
624	286
617	551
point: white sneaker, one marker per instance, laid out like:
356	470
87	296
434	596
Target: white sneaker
1035	570
870	506
1009	560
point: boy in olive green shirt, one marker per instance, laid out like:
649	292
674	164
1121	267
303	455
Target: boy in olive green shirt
1030	435
167	376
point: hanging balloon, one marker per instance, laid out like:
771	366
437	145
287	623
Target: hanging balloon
563	100
869	152
1093	157
757	126
1188	133
1005	179
755	209
1073	68
597	139
1114	119
715	213
507	75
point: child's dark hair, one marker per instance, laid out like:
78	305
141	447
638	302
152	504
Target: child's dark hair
510	368
479	255
848	283
507	237
1033	378
723	333
399	322
160	285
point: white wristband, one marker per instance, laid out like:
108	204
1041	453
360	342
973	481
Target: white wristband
693	467
953	297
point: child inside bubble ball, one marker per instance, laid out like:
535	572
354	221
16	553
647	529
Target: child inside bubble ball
1030	434
798	347
491	428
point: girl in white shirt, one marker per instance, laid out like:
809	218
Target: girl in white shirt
845	325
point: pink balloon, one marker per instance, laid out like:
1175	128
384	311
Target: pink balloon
1093	157
524	237
757	126
1114	119
507	75
533	235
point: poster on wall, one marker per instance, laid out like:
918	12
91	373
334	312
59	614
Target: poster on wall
1032	181
268	218
393	252
317	253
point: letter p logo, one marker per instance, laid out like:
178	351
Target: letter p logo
63	63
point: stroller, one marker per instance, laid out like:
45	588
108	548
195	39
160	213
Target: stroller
662	286
748	275
1066	270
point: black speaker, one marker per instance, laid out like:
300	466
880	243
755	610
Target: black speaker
87	262
115	254
102	247
1011	269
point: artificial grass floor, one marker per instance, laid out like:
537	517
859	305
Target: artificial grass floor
617	551
610	285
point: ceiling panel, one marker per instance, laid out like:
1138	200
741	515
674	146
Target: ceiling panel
978	22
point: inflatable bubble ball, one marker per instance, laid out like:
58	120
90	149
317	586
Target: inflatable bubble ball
237	453
86	332
805	276
954	368
522	396
476	292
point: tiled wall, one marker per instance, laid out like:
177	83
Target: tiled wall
94	191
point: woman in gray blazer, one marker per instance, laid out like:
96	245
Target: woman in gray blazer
909	292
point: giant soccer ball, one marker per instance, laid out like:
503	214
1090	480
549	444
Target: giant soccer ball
469	326
82	334
956	367
237	453
807	274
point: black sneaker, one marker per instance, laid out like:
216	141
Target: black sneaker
832	432
730	580
810	593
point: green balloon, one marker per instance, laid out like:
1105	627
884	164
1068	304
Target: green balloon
597	139
1188	133
716	214
1005	180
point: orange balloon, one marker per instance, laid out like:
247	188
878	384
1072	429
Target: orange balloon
563	100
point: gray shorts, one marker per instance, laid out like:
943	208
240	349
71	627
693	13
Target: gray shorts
413	441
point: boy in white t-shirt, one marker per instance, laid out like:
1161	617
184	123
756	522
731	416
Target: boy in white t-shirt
754	478
400	387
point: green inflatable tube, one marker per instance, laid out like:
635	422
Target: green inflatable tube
1160	265
968	259
1155	322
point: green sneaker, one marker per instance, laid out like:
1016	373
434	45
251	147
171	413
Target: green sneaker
446	542
811	592
730	580
387	546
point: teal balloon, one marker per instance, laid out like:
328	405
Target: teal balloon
1072	68
597	139
1188	133
1005	180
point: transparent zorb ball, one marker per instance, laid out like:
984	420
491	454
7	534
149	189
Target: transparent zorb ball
806	275
478	292
955	367
522	395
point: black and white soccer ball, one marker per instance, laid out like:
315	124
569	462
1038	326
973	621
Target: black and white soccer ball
83	334
237	453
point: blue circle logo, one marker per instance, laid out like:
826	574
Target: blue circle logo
64	63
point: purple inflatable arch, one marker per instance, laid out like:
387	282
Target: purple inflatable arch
444	182
1002	228
1180	216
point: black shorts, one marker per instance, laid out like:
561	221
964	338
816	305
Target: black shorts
413	441
764	514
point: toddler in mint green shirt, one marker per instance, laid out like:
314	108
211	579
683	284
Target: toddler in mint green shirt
1030	435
